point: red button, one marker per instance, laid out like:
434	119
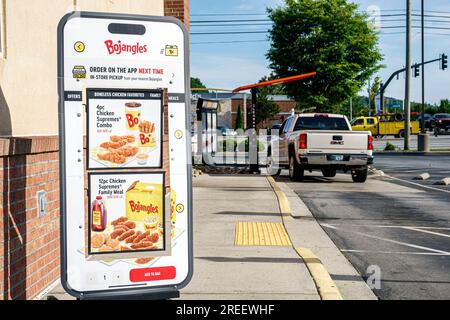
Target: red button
153	274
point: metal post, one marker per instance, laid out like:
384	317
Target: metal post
423	68
423	138
245	110
351	109
253	146
408	76
382	107
369	98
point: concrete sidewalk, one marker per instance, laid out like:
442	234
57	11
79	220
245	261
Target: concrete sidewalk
224	270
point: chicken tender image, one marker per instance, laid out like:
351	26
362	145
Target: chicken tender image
128	151
113	145
119	221
112	157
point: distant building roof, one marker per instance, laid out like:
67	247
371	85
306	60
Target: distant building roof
235	96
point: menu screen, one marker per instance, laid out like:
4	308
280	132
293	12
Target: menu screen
124	128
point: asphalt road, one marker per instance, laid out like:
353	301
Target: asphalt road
408	167
400	230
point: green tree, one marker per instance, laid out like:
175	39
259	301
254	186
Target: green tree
239	119
444	106
197	83
265	108
327	36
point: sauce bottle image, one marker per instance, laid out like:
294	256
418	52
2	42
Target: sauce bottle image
98	214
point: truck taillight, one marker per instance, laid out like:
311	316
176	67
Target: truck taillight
303	141
370	143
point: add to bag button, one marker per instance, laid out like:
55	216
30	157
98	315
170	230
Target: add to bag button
153	274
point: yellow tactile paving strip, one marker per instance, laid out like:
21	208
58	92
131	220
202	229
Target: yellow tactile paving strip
261	234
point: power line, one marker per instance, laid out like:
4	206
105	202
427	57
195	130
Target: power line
267	31
233	41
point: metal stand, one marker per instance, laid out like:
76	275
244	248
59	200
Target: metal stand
163	295
253	140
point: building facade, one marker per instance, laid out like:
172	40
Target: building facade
29	245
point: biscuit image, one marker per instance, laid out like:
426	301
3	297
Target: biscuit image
98	240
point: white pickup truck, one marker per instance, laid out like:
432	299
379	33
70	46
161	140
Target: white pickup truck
323	142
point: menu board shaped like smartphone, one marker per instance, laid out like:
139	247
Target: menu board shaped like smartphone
124	128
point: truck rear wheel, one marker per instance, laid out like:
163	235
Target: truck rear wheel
329	173
360	176
272	168
296	173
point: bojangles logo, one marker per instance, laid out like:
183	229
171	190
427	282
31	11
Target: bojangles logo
138	207
119	47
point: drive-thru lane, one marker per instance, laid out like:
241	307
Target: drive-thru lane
404	231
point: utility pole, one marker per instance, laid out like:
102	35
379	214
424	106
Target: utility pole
423	139
408	76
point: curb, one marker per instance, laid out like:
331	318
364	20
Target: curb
326	287
283	202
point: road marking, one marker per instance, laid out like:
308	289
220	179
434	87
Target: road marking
387	240
325	285
261	234
417	184
429	232
386	226
397	252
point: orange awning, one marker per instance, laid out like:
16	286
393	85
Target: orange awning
275	82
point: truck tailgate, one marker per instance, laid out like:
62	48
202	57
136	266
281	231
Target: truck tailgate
345	142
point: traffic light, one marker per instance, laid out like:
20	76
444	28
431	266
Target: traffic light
416	71
444	61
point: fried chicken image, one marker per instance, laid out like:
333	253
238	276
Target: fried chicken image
128	139
113	157
113	145
127	151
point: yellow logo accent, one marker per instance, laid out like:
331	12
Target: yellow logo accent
79	46
180	208
178	134
172	51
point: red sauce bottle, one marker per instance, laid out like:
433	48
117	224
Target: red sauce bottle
98	215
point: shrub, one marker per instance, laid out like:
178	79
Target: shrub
389	147
227	145
243	146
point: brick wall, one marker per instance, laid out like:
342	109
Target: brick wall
285	107
178	9
29	245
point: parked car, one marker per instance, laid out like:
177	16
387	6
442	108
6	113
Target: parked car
323	142
440	122
273	129
226	131
427	118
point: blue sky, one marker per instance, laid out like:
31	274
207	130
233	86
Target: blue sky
229	65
